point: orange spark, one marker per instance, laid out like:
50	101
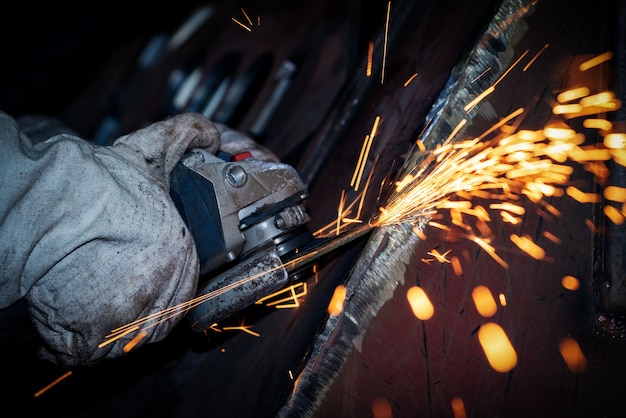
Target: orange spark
420	303
382	75
526	244
480	75
365	149
614	214
456	265
497	347
244	328
458	408
570	282
293	292
615	193
370	52
533	59
509	207
133	343
484	301
335	307
241	24
615	140
471	105
406	83
581	196
601	124
552	237
597	60
246	16
573	355
439	257
54	383
572	94
381	408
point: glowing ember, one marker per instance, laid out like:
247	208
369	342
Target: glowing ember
370	52
497	347
573	355
615	193
614	214
54	383
458	407
484	301
382	74
570	282
615	140
406	83
136	339
502	298
381	408
456	265
244	328
420	303
285	298
597	60
335	307
526	244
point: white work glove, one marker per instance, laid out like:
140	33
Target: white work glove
90	237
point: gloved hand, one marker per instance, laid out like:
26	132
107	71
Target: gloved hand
90	237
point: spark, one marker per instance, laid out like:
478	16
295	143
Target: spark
484	301
246	16
597	60
370	52
533	59
294	292
407	82
248	19
526	244
382	75
420	304
497	347
133	343
480	75
570	282
615	140
335	307
479	98
244	328
456	265
241	24
572	94
458	407
573	355
381	408
52	384
439	257
552	237
365	149
456	130
614	214
615	193
471	105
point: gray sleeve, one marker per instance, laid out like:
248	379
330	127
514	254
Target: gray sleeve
89	236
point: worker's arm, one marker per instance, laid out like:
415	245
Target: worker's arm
89	236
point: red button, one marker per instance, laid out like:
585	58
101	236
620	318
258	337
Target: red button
241	156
